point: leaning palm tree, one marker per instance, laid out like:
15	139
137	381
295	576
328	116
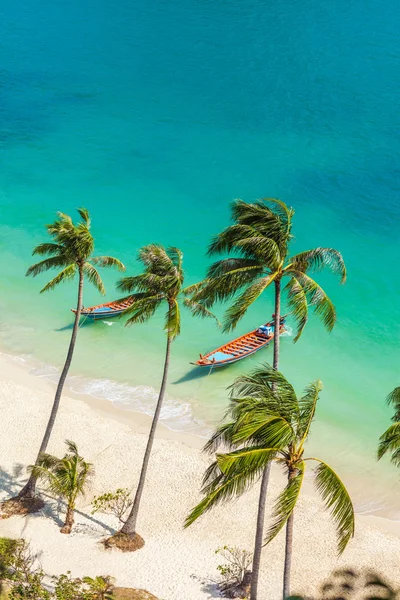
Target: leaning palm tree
66	477
258	245
269	423
72	252
161	284
390	440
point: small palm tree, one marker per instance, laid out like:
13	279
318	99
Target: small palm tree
269	423
259	247
390	440
72	252
160	284
66	477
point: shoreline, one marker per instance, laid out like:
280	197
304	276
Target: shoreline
138	422
174	563
21	370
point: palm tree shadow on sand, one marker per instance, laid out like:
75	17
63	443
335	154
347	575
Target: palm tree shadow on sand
10	484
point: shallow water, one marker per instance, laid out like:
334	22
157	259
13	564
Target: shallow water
155	118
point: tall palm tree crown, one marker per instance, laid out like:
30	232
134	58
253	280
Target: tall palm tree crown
161	282
259	247
390	440
71	252
269	423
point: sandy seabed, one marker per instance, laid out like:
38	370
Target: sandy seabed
175	564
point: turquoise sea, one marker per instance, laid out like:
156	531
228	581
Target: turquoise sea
155	115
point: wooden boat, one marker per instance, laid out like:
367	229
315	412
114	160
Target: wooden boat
243	346
107	310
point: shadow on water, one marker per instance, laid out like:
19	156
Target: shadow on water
196	373
69	327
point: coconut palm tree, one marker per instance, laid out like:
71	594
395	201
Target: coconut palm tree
66	477
161	284
72	252
258	245
269	423
390	440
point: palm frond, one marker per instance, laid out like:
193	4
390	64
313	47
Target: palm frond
269	389
85	216
223	489
393	399
248	460
318	259
298	305
318	299
145	282
222	435
93	276
155	259
199	310
262	248
245	300
390	442
64	275
227	265
176	257
227	285
268	430
337	500
268	216
286	502
173	320
308	405
54	262
108	261
143	308
48	248
280	208
191	290
226	240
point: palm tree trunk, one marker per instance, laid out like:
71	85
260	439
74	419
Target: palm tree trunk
265	477
69	520
28	491
255	571
288	550
129	527
277	323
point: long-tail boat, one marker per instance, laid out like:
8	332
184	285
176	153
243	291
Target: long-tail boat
243	346
107	310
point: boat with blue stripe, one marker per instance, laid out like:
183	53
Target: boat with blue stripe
107	310
241	347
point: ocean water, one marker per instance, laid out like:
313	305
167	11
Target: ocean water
155	115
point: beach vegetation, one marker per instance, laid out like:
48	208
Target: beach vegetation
269	423
235	572
67	478
258	249
24	579
159	285
71	253
389	442
115	503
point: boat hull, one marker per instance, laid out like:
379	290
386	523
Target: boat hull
245	345
106	311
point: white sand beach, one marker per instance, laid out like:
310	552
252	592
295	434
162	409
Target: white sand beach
175	564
